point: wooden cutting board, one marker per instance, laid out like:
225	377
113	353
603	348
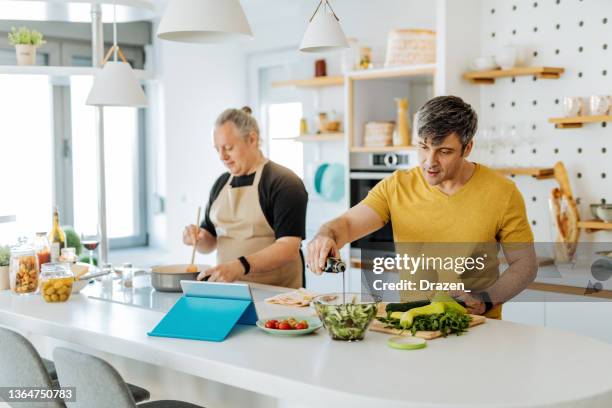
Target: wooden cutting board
378	326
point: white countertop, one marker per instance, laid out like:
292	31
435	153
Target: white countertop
498	364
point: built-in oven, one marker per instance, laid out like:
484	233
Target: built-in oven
368	169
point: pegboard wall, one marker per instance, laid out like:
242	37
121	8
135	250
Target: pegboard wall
514	112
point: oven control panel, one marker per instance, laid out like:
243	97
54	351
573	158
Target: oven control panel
389	161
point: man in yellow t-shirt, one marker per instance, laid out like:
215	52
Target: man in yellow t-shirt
446	199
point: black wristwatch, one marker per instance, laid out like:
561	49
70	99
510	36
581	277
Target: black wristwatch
487	301
245	264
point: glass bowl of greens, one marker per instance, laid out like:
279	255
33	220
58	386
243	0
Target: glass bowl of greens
346	316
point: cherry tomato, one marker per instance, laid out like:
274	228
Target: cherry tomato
271	324
300	326
284	326
305	323
276	325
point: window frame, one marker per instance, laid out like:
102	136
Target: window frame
60	52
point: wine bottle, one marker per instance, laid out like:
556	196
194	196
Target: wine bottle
57	237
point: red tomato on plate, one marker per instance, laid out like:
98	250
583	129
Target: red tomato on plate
284	326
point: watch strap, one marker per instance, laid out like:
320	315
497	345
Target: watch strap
245	264
487	301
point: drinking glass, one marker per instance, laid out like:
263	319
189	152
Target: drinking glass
91	240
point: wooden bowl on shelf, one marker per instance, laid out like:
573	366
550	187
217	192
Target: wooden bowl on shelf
330	126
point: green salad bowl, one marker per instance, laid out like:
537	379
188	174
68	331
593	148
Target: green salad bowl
346	317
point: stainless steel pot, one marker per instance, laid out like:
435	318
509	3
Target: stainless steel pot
168	278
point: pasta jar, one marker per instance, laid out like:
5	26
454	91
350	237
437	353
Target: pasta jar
23	268
56	282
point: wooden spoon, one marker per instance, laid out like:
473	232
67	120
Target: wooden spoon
193	268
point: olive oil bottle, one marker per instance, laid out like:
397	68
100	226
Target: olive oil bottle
57	237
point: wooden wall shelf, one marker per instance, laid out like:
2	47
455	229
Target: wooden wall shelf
321	137
578	121
319	82
595	225
489	77
423	70
382	149
540	173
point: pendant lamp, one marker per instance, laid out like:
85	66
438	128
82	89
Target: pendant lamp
204	21
115	84
324	33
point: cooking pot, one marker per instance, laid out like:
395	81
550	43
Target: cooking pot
167	278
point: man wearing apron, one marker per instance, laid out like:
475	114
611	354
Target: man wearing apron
256	212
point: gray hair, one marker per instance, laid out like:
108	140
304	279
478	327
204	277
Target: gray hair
444	115
241	118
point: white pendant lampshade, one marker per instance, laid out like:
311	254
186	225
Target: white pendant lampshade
204	21
116	85
324	33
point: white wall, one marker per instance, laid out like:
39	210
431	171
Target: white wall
196	83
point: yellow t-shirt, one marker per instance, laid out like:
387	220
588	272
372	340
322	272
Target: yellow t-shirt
489	208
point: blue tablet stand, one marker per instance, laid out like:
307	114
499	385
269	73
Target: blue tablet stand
205	318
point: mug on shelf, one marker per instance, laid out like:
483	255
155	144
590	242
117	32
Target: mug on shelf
573	106
599	105
484	63
507	57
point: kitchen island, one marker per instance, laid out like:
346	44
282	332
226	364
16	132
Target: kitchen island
498	364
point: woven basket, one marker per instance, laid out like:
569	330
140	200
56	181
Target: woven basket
409	47
378	134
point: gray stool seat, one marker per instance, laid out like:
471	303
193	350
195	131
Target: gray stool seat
168	404
21	366
138	393
98	384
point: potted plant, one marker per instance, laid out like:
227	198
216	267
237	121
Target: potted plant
5	257
26	42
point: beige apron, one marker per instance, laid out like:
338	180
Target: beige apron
242	229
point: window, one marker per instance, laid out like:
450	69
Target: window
122	142
48	150
26	146
283	123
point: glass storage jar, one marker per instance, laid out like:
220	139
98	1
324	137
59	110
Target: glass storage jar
43	248
23	268
56	281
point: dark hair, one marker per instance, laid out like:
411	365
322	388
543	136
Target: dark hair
444	115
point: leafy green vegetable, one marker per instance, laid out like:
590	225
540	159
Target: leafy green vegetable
448	322
346	321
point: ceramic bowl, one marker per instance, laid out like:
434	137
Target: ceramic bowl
593	208
604	212
506	57
485	63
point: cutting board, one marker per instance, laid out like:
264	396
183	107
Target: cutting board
378	326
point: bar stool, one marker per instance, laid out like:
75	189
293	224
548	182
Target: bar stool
21	365
98	384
